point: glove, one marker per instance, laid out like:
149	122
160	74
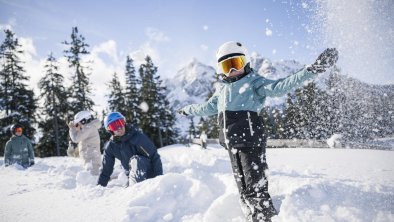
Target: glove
181	112
325	60
71	124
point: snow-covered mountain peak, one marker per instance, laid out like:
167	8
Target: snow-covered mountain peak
191	84
273	70
193	71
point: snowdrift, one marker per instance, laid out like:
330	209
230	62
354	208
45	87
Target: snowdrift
306	185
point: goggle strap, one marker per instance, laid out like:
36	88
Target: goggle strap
229	56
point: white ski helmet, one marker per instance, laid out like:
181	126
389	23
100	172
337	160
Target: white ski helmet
230	49
83	117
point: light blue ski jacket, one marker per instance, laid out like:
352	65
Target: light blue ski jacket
248	93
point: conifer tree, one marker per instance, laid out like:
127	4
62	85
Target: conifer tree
148	94
267	122
300	119
80	87
210	124
169	131
17	102
158	120
291	112
192	129
116	99
53	124
278	124
131	93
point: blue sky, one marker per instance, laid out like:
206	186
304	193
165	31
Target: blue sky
173	32
185	28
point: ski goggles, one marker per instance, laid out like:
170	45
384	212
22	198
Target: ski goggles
236	63
18	130
115	125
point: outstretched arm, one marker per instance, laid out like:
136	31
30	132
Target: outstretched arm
277	88
208	108
107	168
271	88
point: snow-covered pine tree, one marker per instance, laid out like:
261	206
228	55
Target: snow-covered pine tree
80	89
131	93
192	129
116	97
148	93
268	123
158	120
278	126
308	108
210	124
300	119
169	132
18	104
53	123
384	113
290	115
334	100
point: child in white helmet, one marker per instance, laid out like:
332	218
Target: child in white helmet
238	100
84	131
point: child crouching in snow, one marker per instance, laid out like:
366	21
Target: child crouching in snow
136	152
238	99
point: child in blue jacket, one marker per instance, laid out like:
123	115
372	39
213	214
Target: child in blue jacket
238	100
136	152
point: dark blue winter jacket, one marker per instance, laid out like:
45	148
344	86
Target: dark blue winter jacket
123	148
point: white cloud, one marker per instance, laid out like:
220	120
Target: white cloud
27	46
32	65
109	47
101	70
140	54
156	35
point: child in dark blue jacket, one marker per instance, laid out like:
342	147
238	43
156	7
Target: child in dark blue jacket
136	152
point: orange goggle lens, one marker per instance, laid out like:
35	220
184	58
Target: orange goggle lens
18	130
236	63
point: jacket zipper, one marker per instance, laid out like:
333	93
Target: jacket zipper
224	118
250	125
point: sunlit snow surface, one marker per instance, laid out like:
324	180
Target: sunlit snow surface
306	185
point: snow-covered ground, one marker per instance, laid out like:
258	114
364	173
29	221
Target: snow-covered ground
306	185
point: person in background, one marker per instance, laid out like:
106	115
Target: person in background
203	138
136	152
84	131
238	100
18	150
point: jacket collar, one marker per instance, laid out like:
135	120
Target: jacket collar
236	78
130	131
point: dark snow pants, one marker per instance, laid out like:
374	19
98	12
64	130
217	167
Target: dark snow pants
249	165
140	169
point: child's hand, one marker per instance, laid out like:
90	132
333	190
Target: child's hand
325	60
